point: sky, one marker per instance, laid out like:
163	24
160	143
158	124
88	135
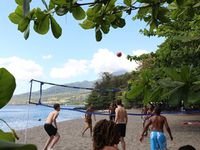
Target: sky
75	56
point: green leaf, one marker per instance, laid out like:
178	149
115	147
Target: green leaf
51	5
59	2
135	91
26	7
6	136
105	28
128	2
27	32
87	24
16	16
169	1
144	1
19	2
173	74
7	86
98	34
185	73
13	146
120	22
180	2
196	5
110	18
78	13
60	11
55	28
166	83
41	25
45	4
23	24
155	95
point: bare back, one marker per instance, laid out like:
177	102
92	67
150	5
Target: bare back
121	115
51	117
157	123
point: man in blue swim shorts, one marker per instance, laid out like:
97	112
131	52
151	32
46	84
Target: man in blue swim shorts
157	137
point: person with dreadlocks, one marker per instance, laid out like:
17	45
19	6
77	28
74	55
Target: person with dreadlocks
105	135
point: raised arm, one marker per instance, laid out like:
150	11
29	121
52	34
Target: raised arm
168	129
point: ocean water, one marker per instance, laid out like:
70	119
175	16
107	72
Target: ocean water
27	116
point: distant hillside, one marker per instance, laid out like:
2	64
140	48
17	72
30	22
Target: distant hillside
58	94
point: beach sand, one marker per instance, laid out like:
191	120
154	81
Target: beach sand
71	139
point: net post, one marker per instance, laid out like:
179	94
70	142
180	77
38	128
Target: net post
41	83
29	100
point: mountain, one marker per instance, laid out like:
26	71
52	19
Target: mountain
119	72
57	94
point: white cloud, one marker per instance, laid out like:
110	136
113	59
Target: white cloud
107	61
22	69
49	56
70	69
102	61
139	52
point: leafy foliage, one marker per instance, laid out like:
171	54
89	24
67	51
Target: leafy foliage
104	92
7	87
7	84
100	15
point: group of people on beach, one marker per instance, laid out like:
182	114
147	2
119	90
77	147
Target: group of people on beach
108	133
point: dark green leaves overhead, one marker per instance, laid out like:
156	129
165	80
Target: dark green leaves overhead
78	13
55	28
105	13
7	84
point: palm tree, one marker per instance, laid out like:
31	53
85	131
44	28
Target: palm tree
182	85
145	87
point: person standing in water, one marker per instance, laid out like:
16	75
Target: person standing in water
52	129
121	119
157	137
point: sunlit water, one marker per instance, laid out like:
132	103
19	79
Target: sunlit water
27	116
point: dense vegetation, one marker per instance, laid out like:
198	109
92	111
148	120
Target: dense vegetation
171	74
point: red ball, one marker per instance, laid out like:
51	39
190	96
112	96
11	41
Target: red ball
119	54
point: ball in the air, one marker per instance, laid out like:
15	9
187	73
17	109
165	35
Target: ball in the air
119	54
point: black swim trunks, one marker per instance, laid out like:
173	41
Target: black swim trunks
50	129
121	129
